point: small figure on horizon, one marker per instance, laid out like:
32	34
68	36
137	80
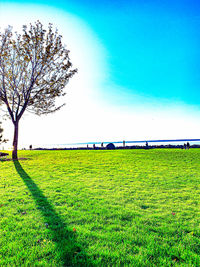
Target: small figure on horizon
94	146
102	144
123	143
30	147
185	145
188	145
147	144
87	146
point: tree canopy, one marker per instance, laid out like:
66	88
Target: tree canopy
34	70
1	135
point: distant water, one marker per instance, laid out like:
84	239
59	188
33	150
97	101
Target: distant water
117	143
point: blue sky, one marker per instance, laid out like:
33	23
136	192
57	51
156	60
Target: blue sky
147	56
152	46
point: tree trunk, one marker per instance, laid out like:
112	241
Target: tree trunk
15	140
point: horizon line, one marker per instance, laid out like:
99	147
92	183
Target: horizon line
135	141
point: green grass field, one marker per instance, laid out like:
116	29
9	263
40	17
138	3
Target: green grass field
101	208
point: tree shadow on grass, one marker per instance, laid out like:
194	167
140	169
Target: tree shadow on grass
69	251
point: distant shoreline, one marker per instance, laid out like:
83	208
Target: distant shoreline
118	147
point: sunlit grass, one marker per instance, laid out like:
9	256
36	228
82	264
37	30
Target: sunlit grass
101	208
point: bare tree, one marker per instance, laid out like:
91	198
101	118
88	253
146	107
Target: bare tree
34	70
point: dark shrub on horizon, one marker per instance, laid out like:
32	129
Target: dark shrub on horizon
110	146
